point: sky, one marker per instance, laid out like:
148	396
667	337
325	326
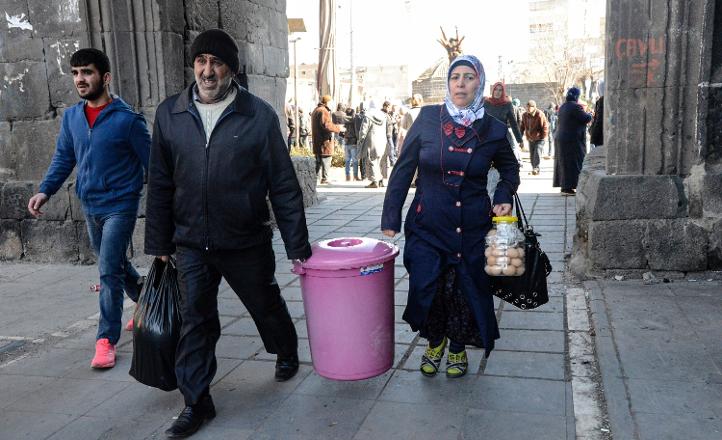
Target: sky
404	32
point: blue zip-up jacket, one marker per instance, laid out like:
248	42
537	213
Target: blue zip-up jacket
110	158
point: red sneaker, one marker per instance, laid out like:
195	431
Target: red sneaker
129	325
104	354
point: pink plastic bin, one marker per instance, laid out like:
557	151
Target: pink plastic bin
348	296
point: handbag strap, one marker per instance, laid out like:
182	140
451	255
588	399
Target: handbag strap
521	219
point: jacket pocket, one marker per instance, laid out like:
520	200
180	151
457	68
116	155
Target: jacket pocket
327	148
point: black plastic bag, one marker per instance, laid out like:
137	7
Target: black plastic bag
156	328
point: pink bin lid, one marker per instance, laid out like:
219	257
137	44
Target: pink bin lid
349	253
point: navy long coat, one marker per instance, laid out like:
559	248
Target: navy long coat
570	143
451	212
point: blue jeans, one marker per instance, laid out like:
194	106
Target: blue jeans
110	235
350	153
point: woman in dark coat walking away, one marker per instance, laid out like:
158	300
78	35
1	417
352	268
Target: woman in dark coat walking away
570	143
499	106
452	146
596	130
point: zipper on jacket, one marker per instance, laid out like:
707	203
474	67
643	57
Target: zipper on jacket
205	197
193	111
205	181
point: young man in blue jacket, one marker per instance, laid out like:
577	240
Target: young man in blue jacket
110	145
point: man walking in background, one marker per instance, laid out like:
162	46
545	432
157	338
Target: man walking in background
535	127
110	144
322	133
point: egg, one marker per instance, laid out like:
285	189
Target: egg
512	252
509	271
520	270
517	262
491	260
521	252
498	252
502	261
488	252
493	270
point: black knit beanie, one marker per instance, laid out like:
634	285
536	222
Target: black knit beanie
218	43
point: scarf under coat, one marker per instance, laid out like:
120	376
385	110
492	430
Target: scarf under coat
467	115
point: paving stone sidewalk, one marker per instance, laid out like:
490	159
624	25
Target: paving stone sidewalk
659	348
522	391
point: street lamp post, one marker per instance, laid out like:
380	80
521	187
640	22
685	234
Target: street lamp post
296	25
296	120
350	22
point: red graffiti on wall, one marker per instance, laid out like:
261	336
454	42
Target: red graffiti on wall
634	47
645	56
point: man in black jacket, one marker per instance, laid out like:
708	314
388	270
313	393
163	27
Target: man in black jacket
217	153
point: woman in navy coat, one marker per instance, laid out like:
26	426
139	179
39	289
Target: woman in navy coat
453	146
570	143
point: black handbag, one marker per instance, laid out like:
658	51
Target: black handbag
527	291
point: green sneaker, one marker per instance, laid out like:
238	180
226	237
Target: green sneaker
431	360
456	364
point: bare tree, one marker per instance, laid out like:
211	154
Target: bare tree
561	64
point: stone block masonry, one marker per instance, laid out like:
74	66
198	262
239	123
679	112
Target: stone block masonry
60	235
650	198
148	43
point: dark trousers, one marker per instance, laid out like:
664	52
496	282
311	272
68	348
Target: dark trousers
536	149
249	272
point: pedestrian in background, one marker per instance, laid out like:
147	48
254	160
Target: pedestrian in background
596	131
351	149
303	128
322	134
339	118
500	106
373	145
389	157
551	114
110	144
452	146
570	143
519	111
408	119
536	129
207	192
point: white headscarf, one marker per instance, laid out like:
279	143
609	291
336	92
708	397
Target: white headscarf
467	115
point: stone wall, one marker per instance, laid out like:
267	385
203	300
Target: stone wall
61	235
148	44
542	93
652	198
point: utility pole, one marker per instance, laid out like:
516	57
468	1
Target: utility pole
350	24
296	121
295	25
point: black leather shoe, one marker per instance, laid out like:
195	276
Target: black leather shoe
191	418
286	368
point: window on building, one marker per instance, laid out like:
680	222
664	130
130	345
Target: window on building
536	28
541	5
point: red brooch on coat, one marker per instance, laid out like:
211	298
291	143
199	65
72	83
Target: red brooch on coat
448	128
459	132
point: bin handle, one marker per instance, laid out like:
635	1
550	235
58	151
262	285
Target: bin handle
297	267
